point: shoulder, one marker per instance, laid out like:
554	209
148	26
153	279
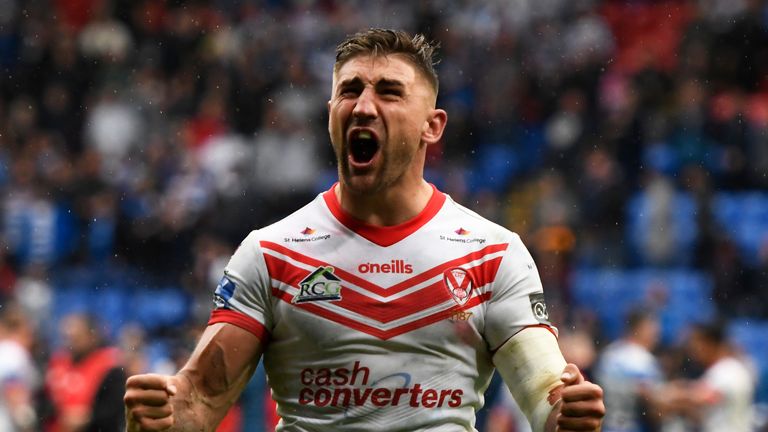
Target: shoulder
479	225
464	225
730	368
630	358
13	357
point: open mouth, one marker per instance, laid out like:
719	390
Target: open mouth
363	146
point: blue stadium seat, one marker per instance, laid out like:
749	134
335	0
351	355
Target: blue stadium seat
117	297
681	297
156	308
684	228
493	167
744	217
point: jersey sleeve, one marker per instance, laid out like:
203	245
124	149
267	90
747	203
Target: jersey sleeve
242	297
517	299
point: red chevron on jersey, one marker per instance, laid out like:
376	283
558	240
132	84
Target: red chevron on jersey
380	333
270	247
287	276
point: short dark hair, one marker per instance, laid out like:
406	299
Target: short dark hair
381	42
714	331
638	315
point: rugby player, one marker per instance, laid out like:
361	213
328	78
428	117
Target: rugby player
382	304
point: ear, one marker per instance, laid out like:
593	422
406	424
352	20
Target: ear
434	126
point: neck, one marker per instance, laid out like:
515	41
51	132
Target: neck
637	341
719	354
389	207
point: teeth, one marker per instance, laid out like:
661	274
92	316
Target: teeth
364	135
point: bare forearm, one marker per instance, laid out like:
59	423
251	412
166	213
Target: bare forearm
199	396
192	410
200	405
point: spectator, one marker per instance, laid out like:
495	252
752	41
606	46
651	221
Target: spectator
84	380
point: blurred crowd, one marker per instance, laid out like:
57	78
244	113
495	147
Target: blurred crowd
149	137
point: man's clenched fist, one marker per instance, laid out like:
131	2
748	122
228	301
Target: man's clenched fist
148	402
582	408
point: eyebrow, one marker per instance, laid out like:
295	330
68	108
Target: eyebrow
384	82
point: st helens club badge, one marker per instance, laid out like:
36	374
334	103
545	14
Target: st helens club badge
459	284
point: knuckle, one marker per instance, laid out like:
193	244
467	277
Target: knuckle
593	423
130	397
136	416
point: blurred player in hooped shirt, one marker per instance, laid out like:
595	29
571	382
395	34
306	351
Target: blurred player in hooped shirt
629	372
84	380
722	398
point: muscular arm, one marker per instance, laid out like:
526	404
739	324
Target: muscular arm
199	395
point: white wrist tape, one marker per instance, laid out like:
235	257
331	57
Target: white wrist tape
531	364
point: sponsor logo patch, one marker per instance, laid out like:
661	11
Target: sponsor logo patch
356	388
462	235
539	308
394	266
320	285
224	291
308	234
459	284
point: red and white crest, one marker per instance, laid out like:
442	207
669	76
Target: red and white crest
459	284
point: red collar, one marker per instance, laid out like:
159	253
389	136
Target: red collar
384	235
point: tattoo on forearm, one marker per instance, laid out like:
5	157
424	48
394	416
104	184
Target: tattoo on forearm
215	382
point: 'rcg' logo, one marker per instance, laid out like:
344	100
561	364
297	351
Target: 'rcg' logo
321	284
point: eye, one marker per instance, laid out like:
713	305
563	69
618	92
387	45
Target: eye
391	91
348	92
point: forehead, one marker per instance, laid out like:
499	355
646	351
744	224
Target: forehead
371	69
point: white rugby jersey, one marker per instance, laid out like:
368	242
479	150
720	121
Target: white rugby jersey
624	369
388	328
732	388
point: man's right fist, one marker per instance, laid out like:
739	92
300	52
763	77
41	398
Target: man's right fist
148	402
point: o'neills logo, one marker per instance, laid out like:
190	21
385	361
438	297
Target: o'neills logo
345	387
459	284
394	266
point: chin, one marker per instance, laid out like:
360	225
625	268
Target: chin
359	184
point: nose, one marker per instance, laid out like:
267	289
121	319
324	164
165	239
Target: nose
365	106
